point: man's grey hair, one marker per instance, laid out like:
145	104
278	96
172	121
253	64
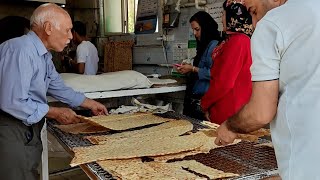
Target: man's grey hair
45	13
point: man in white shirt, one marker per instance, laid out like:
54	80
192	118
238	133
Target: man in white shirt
86	55
286	85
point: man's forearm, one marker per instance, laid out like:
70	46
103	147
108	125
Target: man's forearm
87	103
260	110
244	121
52	113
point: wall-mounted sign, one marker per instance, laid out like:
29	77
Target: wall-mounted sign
147	17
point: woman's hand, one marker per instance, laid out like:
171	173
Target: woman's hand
207	115
185	68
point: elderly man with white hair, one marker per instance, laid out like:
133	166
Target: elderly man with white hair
27	75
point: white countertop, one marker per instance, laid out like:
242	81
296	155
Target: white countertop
130	92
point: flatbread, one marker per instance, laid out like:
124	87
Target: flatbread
137	170
210	124
133	169
181	155
255	135
204	170
207	146
252	137
81	128
172	171
111	117
124	122
261	132
269	144
170	129
125	149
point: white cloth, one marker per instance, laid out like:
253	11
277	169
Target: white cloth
157	81
140	107
284	46
87	53
106	82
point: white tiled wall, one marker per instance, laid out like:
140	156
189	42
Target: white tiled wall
90	16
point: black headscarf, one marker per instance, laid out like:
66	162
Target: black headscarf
238	19
209	32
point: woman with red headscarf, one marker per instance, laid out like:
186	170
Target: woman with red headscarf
230	84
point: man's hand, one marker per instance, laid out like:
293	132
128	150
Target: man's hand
96	107
224	135
63	115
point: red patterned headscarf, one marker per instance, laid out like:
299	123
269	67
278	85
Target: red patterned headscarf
238	18
229	2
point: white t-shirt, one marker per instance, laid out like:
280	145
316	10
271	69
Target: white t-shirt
87	53
285	47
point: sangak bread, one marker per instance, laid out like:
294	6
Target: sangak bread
81	128
169	129
123	149
207	146
269	144
133	169
252	137
111	117
210	124
124	122
172	171
137	170
204	170
261	132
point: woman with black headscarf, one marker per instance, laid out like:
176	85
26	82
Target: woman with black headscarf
205	30
230	85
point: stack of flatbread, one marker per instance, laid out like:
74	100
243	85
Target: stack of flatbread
168	139
170	129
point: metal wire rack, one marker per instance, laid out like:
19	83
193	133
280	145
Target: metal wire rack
247	159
